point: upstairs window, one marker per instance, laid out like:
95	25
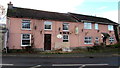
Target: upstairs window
110	27
65	26
96	26
26	39
111	39
47	25
65	38
26	24
88	40
87	25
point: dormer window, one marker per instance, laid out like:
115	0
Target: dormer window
87	25
25	24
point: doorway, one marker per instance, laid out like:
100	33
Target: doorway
47	42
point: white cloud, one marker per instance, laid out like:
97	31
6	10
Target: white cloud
102	0
101	8
62	6
49	5
112	15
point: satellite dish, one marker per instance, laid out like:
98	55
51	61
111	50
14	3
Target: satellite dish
59	36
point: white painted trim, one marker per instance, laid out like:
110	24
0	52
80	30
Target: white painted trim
88	43
25	28
21	40
49	24
88	23
97	26
65	39
109	26
65	24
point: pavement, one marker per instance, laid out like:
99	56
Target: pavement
64	55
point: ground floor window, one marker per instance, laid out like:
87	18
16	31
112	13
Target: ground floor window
111	39
25	39
65	38
88	40
96	40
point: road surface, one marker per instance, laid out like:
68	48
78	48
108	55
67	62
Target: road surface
59	62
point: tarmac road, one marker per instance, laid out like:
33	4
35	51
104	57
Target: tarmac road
60	62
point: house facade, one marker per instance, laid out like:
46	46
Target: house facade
44	30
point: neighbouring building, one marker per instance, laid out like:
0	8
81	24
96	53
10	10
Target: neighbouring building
44	30
2	36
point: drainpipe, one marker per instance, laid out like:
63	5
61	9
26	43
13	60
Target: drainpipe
116	33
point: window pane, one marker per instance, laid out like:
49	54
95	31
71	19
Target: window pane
88	40
96	38
96	26
26	24
26	36
65	38
86	37
26	39
48	25
87	26
65	26
25	42
110	27
111	39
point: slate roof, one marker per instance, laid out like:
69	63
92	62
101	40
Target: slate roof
18	12
95	19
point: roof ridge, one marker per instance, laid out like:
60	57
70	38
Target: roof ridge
38	10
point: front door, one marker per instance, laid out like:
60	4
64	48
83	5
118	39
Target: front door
47	42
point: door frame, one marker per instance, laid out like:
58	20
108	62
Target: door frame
44	41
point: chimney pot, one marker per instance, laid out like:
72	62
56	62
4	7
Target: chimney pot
10	5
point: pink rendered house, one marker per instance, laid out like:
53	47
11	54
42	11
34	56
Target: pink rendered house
44	30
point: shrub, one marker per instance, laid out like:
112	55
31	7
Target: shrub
117	45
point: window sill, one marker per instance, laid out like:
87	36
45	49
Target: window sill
25	45
48	29
27	29
65	30
111	30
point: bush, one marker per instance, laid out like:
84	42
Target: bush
117	45
16	50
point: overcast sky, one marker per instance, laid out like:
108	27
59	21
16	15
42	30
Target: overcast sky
100	8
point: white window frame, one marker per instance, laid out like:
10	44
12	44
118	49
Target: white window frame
65	39
96	26
87	25
88	40
111	39
26	21
67	24
110	27
25	39
96	39
47	23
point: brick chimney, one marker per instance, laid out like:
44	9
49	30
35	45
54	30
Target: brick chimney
10	5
